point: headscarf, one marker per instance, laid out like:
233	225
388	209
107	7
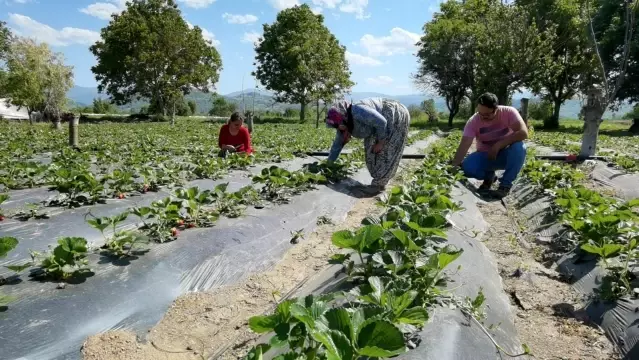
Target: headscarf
337	114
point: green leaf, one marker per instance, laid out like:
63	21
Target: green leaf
19	268
339	319
368	235
6	299
7	244
345	240
378	288
414	316
611	249
380	339
592	249
447	256
404	238
257	352
263	324
400	303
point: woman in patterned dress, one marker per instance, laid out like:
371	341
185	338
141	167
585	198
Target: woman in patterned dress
383	124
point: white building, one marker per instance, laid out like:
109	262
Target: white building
10	112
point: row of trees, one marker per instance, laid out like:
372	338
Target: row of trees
556	48
32	76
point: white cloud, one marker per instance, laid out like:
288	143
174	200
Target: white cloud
399	41
239	19
251	37
380	80
330	4
27	27
207	35
104	10
358	59
22	1
357	7
284	4
197	4
317	10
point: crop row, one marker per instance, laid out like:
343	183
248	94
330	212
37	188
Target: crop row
623	151
118	160
395	268
601	225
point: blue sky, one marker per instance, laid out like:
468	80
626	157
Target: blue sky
379	34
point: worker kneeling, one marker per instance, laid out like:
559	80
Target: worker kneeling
234	138
500	132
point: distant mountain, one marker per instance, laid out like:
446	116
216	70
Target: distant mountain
262	100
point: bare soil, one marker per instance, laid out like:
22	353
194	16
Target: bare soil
547	312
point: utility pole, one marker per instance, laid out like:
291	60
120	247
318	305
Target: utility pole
243	103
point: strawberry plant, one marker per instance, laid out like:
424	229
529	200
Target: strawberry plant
198	205
78	187
332	171
3	198
120	182
280	184
67	260
32	211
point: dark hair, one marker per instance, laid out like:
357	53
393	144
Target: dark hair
235	117
488	100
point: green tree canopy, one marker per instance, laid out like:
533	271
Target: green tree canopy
300	60
221	107
102	106
149	51
564	68
37	78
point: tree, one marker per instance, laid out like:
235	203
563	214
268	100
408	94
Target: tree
149	51
612	27
428	106
101	106
571	57
192	107
221	107
447	56
5	46
37	79
300	60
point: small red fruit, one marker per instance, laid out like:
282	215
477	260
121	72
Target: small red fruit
1	218
174	232
120	196
145	188
191	225
180	222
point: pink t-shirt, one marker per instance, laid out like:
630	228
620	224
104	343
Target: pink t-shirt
487	133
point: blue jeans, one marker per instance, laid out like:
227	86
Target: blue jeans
510	159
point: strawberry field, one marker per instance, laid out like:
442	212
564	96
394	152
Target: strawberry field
99	242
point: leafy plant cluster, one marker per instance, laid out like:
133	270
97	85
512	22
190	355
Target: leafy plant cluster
600	225
395	266
119	160
625	150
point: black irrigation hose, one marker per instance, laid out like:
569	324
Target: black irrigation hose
576	157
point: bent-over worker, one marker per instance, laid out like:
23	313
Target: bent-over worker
500	133
383	124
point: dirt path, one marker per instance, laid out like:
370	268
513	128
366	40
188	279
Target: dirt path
546	307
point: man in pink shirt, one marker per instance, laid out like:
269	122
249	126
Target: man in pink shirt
500	133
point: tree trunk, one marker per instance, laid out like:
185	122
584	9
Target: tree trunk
318	115
634	129
593	112
303	111
524	109
30	114
451	116
173	114
553	122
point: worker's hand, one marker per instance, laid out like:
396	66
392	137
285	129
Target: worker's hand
342	127
493	152
228	148
377	148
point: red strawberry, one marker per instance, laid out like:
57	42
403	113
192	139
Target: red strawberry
174	232
192	225
145	188
180	222
1	217
120	196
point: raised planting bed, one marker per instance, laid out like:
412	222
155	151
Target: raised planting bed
591	236
414	283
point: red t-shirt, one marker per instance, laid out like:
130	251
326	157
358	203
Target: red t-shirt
241	141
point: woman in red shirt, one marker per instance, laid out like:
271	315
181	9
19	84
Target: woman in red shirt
234	137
